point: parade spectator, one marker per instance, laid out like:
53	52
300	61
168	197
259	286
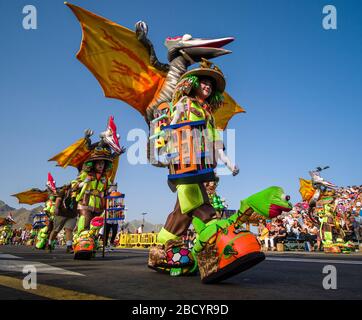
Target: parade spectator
281	234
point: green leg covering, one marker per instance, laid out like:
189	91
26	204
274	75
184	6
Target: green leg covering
81	224
328	236
206	230
165	236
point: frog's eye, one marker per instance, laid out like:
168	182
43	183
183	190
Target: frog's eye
285	197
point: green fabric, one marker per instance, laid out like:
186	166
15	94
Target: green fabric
175	272
206	230
164	236
100	185
328	236
260	202
189	196
50	207
81	224
212	132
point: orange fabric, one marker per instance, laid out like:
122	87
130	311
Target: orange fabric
32	196
118	60
74	155
243	244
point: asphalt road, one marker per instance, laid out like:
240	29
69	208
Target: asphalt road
123	274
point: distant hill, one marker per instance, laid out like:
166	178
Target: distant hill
4	208
149	227
21	216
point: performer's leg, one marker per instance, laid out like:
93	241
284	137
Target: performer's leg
114	233
107	230
176	225
84	220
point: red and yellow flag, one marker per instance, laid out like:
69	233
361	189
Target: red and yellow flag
32	196
118	60
74	155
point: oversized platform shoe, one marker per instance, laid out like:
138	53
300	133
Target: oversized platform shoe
84	243
173	258
84	246
230	251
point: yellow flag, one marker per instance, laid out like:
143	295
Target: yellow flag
229	108
118	60
306	189
32	196
73	155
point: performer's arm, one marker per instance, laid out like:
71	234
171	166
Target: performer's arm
226	160
180	110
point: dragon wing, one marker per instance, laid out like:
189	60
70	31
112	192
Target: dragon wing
229	108
32	196
118	60
74	155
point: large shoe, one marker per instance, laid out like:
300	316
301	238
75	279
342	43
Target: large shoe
174	258
84	246
232	251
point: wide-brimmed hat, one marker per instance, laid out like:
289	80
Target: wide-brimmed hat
208	69
100	154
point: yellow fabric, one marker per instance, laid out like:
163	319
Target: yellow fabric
189	196
74	155
32	196
306	189
264	233
212	132
229	108
118	60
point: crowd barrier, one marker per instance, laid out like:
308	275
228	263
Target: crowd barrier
137	241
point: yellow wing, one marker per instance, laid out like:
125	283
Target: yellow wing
74	155
118	60
223	115
306	189
32	196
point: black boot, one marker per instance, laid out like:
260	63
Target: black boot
69	249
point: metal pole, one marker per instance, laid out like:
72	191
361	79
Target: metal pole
104	228
143	220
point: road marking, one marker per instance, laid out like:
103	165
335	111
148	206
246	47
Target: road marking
49	292
8	256
315	260
17	266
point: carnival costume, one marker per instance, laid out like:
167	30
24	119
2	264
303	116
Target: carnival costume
125	64
42	221
6	231
90	188
320	195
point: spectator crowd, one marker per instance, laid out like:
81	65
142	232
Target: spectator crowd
299	227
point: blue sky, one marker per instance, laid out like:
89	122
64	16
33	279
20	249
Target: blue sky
300	84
